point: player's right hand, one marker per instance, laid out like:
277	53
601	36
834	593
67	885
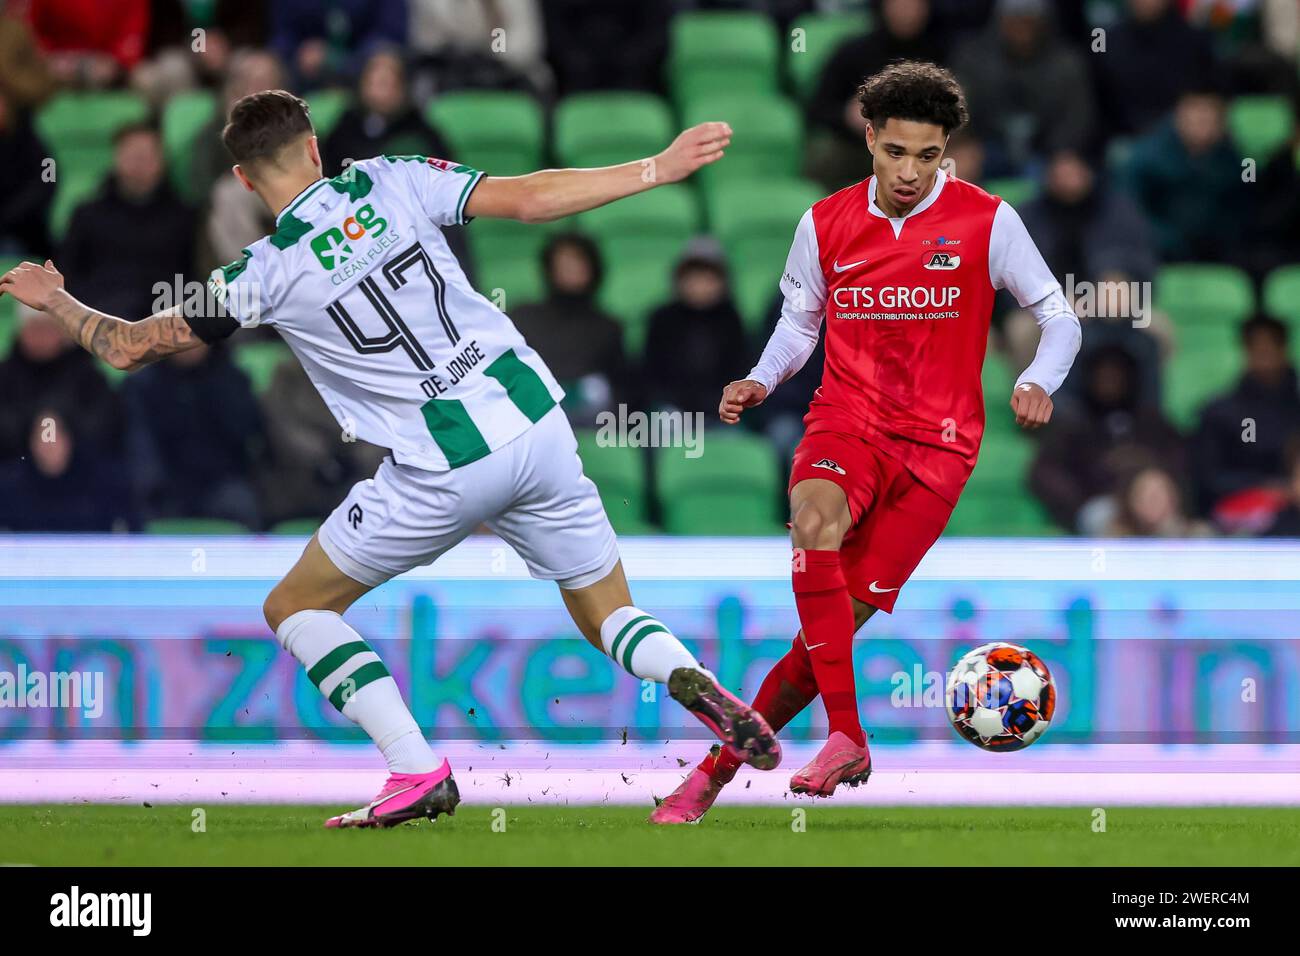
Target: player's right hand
739	396
31	284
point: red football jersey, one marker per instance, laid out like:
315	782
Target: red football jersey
907	304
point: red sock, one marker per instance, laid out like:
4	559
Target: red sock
787	689
826	613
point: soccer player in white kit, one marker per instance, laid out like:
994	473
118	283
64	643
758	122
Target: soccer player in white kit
358	280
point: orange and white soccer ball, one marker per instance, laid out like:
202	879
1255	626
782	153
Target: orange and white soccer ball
1000	697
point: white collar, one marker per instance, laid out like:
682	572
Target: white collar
922	206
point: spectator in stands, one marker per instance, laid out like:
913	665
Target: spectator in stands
29	189
134	234
1116	312
1150	505
498	44
309	463
181	470
383	120
1151	56
581	343
905	30
1243	437
250	71
327	41
46	370
696	343
597	45
89	43
780	417
1274	238
1090	447
965	156
1082	227
236	218
1286	522
62	484
1029	93
1186	176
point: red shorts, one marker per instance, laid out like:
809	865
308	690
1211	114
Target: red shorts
895	518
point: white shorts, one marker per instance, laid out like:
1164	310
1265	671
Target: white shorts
531	492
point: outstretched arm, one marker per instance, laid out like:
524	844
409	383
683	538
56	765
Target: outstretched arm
556	193
123	345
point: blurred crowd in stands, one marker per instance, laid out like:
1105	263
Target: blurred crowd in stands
1113	116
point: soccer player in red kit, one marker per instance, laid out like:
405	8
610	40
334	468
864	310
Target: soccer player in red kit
903	268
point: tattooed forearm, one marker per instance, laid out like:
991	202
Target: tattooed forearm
123	345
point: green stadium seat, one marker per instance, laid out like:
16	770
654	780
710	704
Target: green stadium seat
620	475
1008	512
629	294
711	51
640	239
185	114
731	488
1194	376
1015	190
604	129
704	512
1003	462
259	360
8	311
997	379
327	108
194	526
755	222
510	282
1200	292
78	128
1282	297
821	37
768	137
507	255
296	527
1260	125
498	132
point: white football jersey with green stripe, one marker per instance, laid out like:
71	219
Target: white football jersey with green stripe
361	284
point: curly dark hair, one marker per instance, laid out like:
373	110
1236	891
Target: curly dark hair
916	91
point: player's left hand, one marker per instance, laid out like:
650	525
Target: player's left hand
1032	405
693	148
31	284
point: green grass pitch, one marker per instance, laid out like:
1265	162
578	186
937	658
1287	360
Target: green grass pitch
92	835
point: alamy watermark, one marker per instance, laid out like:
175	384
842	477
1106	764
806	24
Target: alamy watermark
664	429
53	690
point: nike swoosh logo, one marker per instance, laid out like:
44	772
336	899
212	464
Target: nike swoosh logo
876	590
839	268
813	647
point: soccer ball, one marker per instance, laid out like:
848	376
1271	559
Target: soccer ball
1000	697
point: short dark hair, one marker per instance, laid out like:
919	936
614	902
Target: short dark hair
914	90
1262	323
139	127
585	245
262	124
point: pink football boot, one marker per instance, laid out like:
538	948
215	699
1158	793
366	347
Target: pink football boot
406	796
839	761
693	796
741	728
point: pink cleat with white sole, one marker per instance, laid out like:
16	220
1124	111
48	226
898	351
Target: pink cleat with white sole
839	761
741	728
406	796
692	798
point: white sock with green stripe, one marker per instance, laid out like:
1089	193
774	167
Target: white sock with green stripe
643	646
344	668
